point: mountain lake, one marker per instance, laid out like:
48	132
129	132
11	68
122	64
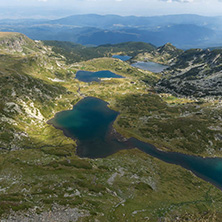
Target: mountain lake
90	123
86	76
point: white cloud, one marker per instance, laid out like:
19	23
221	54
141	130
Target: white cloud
182	1
121	7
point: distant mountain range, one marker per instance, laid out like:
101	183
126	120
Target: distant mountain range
183	31
113	21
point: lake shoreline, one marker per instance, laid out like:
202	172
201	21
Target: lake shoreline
113	142
110	134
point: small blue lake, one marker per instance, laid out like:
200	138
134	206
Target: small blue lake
86	76
90	123
150	66
122	57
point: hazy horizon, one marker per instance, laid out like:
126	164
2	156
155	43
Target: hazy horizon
49	15
59	8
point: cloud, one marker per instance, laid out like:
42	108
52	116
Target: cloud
181	1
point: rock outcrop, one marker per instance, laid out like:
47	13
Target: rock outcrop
196	73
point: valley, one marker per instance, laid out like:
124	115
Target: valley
39	169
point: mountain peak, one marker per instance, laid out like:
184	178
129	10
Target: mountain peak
170	49
167	46
7	34
12	36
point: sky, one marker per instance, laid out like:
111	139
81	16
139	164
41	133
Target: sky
59	8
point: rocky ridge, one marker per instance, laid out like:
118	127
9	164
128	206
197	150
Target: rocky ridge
166	54
196	73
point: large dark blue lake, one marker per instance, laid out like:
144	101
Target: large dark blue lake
150	66
86	76
90	123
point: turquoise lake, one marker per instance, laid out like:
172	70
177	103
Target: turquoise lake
90	123
86	76
150	66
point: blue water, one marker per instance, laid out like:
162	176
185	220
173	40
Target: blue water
150	66
121	57
209	169
86	76
90	122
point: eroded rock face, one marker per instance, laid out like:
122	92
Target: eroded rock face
16	42
14	45
196	73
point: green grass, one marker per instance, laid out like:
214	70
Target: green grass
39	167
181	127
143	186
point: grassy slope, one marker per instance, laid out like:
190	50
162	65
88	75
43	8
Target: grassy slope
142	186
128	185
189	128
